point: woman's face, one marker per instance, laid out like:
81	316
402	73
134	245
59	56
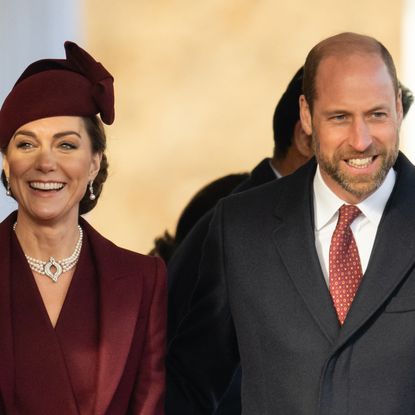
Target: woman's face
49	163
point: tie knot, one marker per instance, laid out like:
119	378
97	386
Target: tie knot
347	214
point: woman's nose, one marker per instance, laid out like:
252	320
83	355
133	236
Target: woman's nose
45	160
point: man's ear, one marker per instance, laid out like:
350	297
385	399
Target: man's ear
305	115
399	106
302	141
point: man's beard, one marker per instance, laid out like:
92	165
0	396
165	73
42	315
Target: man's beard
357	185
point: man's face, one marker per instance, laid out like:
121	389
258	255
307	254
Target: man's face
355	124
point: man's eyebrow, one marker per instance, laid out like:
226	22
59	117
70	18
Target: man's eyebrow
381	107
335	111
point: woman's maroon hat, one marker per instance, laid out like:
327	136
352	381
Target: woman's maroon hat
77	85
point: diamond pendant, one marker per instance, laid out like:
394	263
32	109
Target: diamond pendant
58	269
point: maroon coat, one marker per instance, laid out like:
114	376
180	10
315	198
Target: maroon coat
132	318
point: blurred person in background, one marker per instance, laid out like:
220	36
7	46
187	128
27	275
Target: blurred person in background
204	200
292	148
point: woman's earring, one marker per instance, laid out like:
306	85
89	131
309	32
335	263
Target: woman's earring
91	191
8	191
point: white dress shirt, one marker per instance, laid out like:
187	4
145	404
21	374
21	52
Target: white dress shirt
276	172
364	227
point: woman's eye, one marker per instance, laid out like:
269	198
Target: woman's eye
24	145
67	146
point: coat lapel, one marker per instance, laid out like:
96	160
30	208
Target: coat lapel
295	242
392	256
6	337
119	304
388	265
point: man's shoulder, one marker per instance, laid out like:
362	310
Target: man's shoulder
296	183
261	174
404	167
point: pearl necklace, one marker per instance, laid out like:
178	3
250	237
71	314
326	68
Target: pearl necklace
62	266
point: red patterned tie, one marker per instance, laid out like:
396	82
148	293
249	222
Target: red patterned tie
344	264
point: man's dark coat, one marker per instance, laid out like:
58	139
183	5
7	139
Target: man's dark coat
261	297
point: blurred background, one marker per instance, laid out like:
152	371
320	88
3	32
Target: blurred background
196	86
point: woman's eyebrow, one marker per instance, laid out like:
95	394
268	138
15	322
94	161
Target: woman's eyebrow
64	133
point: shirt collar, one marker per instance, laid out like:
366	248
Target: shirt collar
326	203
276	172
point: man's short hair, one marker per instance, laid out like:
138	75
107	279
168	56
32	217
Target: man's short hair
343	44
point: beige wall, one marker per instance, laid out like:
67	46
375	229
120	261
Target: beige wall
196	86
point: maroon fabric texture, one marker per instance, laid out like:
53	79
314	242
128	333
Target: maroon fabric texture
77	331
344	266
131	305
77	86
64	359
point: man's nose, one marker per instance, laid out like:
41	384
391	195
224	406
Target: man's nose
360	136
